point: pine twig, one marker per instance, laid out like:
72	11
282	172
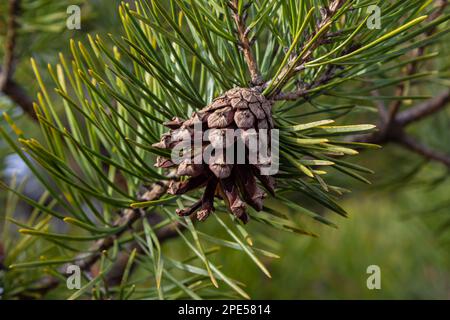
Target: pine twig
381	106
394	130
19	96
2	257
10	43
291	96
289	70
412	68
392	123
304	90
424	109
245	43
415	146
115	275
7	85
127	218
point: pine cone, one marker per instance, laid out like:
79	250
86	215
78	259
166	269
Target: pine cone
239	108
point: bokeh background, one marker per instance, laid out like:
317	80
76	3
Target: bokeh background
401	222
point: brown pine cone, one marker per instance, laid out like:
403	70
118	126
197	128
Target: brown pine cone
239	108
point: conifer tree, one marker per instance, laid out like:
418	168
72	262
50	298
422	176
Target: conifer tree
307	69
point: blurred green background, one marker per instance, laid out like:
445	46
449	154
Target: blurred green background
400	223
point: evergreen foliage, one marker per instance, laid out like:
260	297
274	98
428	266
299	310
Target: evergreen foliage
317	61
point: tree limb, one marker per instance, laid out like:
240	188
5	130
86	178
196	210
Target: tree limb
305	89
392	123
2	257
289	70
412	67
18	95
114	277
244	42
126	220
424	109
291	96
10	43
7	85
413	145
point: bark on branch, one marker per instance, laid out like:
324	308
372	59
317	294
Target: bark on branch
10	43
413	145
126	220
245	44
424	109
413	67
8	86
290	69
18	95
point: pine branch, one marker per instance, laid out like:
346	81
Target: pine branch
295	66
2	257
10	43
394	130
304	90
147	100
413	67
392	123
416	146
7	85
126	220
115	275
381	106
244	42
424	109
19	96
291	96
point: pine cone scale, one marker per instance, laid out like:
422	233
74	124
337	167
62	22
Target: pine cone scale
236	184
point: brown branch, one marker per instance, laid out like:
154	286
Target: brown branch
424	109
289	70
126	220
10	43
7	85
415	146
413	66
305	89
18	95
397	135
2	257
291	96
392	127
245	44
114	277
381	106
393	131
